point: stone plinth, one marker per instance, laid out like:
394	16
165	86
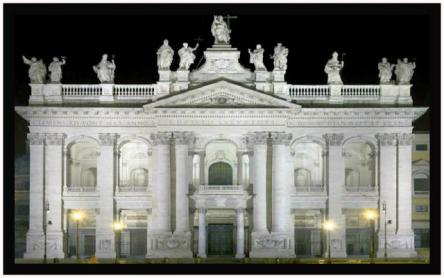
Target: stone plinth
168	245
107	93
36	94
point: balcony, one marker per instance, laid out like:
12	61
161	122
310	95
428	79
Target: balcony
132	188
76	190
221	189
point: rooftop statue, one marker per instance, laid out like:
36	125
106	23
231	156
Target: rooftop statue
257	57
164	56
385	71
333	69
404	71
280	57
55	69
186	56
220	30
37	70
105	69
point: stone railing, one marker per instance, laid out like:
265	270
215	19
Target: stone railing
310	189
132	188
360	188
339	94
220	188
80	189
95	93
361	91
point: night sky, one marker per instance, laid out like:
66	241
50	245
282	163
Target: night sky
134	33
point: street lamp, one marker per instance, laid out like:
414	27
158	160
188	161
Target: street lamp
77	216
45	226
384	208
371	216
329	226
118	226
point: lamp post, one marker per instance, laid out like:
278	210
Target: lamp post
371	216
384	208
45	226
77	216
118	226
329	226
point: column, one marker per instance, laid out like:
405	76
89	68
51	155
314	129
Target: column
162	183
202	167
183	139
335	181
280	182
240	168
202	234
259	179
34	236
240	233
404	231
105	238
54	180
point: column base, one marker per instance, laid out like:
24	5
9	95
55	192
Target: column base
398	246
105	246
169	245
34	245
239	256
54	245
274	245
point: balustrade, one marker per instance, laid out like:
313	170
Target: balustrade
74	188
361	91
303	91
220	188
135	90
71	90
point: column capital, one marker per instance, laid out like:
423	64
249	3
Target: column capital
386	139
55	139
334	139
405	139
107	139
36	138
202	210
257	138
183	137
161	138
281	138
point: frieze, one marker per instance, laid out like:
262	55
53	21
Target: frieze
334	139
161	138
387	139
405	139
107	139
281	138
36	138
55	139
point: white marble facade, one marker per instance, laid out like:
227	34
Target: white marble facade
285	157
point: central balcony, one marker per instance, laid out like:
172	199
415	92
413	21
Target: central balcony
221	189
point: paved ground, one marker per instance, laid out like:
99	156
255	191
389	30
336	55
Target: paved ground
228	261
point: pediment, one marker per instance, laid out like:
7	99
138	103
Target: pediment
222	94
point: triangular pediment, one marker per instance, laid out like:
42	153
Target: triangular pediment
222	94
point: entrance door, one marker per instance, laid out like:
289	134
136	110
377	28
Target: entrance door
138	243
220	240
220	173
358	241
90	245
303	242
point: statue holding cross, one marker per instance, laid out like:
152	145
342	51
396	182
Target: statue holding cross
220	30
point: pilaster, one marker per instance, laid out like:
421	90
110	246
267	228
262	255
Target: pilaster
336	178
105	238
240	253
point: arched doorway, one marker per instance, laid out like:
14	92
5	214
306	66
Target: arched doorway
220	173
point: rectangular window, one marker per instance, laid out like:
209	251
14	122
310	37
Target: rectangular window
421	185
422	238
422	208
421	147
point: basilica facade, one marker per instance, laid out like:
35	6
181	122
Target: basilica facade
220	160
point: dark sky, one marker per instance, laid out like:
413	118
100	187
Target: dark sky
134	32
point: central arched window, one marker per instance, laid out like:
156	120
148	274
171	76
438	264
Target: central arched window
220	173
359	169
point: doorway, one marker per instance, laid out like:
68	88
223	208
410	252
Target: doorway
220	240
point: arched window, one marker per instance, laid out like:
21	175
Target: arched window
81	165
220	173
359	169
421	183
302	179
309	167
89	177
133	166
139	177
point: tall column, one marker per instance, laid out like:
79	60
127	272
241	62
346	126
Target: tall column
34	236
202	167
387	187
404	231
105	238
54	180
259	179
280	182
162	183
202	234
240	233
336	179
183	139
